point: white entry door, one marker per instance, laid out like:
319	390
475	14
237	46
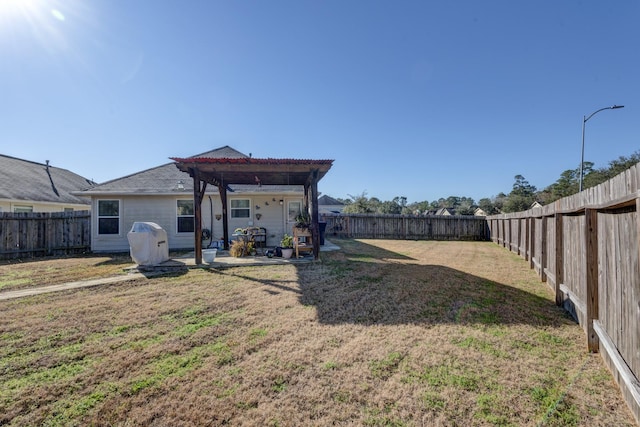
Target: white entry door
294	207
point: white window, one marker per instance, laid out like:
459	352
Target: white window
240	208
185	215
108	216
21	208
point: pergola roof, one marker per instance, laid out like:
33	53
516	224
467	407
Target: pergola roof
249	170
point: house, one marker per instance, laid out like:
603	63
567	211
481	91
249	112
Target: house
479	212
329	205
27	186
445	211
535	204
165	195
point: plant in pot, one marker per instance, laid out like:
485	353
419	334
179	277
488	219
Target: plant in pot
287	245
303	221
251	248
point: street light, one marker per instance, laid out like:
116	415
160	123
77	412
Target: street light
584	122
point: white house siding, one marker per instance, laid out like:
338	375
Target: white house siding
10	205
162	210
159	209
273	215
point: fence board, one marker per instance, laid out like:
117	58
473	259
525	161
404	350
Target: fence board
366	226
574	262
27	235
550	254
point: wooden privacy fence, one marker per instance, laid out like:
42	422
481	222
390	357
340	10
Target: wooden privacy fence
27	235
374	226
586	247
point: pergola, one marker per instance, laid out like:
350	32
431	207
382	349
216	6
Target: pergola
223	172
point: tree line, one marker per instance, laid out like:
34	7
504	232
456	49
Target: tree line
522	196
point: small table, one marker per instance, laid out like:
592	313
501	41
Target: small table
299	246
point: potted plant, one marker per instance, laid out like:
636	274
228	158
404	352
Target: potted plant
303	221
287	245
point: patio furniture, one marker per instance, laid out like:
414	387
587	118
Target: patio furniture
258	235
302	241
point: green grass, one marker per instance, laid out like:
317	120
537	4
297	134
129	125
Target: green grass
445	375
386	367
169	366
14	280
330	365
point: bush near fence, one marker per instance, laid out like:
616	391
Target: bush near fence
432	227
35	234
586	247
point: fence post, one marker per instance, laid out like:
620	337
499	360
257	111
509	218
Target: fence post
591	262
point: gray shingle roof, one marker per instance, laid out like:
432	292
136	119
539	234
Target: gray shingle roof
225	152
328	200
166	179
31	181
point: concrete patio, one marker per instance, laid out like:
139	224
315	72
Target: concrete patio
224	260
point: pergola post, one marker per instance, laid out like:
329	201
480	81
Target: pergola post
225	219
198	195
315	232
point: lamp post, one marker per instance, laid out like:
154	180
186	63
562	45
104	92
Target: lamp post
584	122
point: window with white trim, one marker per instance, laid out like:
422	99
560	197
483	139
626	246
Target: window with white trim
108	216
22	208
185	216
240	208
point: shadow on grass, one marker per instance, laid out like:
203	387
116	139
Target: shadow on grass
355	249
124	258
365	284
114	258
274	285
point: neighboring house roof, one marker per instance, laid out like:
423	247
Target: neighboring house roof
535	205
225	152
479	212
31	181
168	179
327	200
445	211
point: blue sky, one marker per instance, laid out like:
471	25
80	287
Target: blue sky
423	99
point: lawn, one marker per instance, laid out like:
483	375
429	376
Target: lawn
21	274
380	333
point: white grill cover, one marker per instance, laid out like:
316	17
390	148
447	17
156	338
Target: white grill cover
148	243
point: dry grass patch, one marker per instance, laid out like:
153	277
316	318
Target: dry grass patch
19	274
381	333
